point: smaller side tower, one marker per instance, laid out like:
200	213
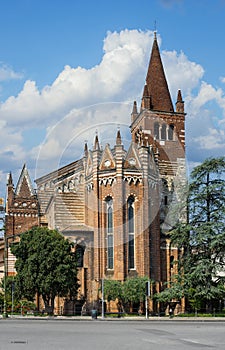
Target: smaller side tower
21	205
21	212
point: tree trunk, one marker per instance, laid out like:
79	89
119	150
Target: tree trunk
49	304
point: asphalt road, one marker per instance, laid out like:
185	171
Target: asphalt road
16	334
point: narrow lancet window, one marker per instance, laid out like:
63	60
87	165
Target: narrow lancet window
131	248
109	232
170	132
80	256
156	131
163	132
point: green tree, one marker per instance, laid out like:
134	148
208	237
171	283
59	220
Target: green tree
172	293
113	291
202	236
134	289
45	265
1	302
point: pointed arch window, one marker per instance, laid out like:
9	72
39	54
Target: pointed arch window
80	255
170	132
156	130
131	235
109	232
163	132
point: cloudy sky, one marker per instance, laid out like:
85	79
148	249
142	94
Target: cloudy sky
70	68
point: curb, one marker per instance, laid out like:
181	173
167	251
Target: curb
122	319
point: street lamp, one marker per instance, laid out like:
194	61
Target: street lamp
103	313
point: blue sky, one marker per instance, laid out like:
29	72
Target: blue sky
69	68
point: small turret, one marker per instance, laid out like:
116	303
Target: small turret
96	143
118	138
179	103
134	113
10	191
146	99
10	180
85	149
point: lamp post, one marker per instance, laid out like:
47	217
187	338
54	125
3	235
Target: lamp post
103	313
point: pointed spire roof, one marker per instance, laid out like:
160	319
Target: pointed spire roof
85	149
134	111
10	180
96	143
179	96
156	82
118	138
24	186
179	103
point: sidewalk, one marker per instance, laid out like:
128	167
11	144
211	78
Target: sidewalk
126	318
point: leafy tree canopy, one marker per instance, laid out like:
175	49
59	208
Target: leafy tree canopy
202	234
45	265
134	289
131	290
113	290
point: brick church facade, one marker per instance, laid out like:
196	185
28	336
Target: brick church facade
114	203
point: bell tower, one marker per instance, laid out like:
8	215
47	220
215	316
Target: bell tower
162	127
157	123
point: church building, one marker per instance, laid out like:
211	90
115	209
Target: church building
114	203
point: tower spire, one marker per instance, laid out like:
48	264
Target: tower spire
156	82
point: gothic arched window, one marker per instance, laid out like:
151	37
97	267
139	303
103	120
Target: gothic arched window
109	232
156	130
170	132
130	216
163	132
80	255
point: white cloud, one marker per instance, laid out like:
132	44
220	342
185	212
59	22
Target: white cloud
7	73
79	126
81	100
205	131
116	78
214	140
208	93
189	75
